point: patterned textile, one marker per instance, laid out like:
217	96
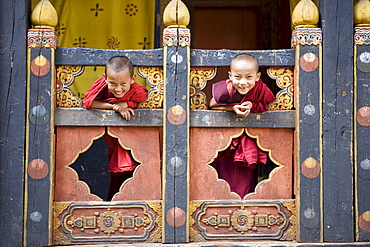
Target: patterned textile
107	24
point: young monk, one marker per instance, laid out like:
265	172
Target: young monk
118	91
243	92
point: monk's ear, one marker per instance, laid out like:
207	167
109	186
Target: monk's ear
133	78
229	73
258	76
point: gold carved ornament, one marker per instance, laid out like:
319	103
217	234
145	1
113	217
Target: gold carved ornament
65	78
291	234
198	81
59	237
284	80
155	79
156	236
193	234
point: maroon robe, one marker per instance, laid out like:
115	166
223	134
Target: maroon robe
120	159
237	162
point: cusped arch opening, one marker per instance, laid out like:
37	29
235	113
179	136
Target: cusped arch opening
243	165
93	167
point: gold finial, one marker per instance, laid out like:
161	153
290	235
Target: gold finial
305	14
44	15
176	14
362	13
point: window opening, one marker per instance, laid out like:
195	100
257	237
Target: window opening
243	165
92	168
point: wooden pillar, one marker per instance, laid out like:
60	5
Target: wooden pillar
39	146
337	62
362	120
308	86
176	40
14	20
307	39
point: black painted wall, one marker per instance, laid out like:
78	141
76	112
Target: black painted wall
14	22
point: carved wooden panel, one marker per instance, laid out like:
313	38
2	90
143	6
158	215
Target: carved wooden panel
204	146
146	182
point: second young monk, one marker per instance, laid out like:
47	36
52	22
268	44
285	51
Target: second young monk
243	92
118	91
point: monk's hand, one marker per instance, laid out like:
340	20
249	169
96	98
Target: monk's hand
243	109
126	113
119	106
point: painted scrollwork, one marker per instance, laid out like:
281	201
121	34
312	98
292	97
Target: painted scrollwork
222	220
198	81
284	80
155	79
307	36
65	98
362	35
156	236
83	222
65	77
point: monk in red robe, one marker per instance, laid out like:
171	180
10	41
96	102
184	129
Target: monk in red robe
118	91
243	92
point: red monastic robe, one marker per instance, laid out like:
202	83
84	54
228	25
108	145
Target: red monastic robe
120	159
237	162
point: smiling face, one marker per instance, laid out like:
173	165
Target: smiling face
244	75
119	83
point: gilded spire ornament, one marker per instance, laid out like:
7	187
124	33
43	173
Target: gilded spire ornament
305	15
362	13
176	14
44	15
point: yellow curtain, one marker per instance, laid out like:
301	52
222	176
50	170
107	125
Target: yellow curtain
105	24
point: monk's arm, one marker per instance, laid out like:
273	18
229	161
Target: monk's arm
215	106
96	104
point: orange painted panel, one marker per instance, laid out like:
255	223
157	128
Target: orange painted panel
145	145
279	143
204	146
70	142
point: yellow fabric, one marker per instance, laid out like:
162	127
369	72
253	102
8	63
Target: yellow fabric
106	24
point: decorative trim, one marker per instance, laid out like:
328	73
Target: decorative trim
307	36
65	77
291	234
243	220
194	236
59	237
156	236
42	38
198	81
176	37
155	79
284	80
108	222
362	36
65	98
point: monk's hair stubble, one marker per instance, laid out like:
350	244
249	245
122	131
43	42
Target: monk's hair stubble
245	57
119	63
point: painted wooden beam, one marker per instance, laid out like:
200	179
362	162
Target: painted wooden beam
282	57
337	27
93	57
308	142
14	20
176	124
39	146
154	117
362	133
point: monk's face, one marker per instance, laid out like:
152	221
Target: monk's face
244	75
119	83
